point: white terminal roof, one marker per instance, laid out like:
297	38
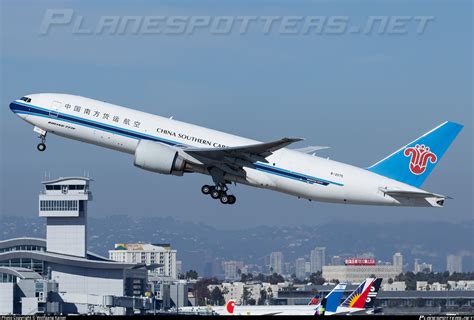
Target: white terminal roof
22	273
141	247
61	179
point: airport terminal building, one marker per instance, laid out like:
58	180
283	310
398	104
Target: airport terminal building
58	275
356	270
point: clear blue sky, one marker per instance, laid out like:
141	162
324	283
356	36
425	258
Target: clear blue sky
363	95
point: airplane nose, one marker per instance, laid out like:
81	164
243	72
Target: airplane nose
15	108
12	106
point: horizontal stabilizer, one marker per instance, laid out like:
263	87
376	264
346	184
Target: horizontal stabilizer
412	194
416	198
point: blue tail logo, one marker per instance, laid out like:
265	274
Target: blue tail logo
413	163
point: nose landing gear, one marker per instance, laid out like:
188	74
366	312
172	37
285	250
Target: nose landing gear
219	192
42	135
42	145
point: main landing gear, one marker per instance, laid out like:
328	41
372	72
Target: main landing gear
219	192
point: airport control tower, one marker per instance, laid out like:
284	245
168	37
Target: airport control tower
63	202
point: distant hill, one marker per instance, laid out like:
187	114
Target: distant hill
200	243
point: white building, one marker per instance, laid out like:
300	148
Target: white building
179	266
318	259
454	263
461	285
231	269
358	269
300	268
394	286
235	290
276	262
398	260
422	266
150	254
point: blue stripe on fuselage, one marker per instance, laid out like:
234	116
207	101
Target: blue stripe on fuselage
21	108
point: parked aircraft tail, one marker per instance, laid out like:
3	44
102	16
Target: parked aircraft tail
357	299
373	291
332	300
413	163
314	300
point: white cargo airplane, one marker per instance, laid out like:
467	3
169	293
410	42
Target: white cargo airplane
167	146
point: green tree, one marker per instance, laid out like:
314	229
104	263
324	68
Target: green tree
246	296
225	291
263	297
269	294
201	291
191	274
246	277
275	278
217	298
316	278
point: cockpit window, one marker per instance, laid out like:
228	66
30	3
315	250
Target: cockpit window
26	99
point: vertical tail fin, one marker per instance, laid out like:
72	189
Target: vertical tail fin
374	289
314	300
357	298
413	163
333	299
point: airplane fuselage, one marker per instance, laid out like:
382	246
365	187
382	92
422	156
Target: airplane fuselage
287	171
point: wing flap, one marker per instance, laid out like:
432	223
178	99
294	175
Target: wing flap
311	149
247	153
252	152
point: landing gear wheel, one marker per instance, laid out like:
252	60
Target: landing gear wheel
215	194
232	199
41	147
206	189
224	198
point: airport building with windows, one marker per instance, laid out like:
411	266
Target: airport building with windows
78	281
160	258
356	270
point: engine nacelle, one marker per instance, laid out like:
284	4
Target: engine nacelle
157	157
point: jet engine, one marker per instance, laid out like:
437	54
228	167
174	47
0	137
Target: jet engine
158	157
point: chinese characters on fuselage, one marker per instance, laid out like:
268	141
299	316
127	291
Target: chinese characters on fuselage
103	115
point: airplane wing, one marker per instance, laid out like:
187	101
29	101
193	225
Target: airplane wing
233	159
